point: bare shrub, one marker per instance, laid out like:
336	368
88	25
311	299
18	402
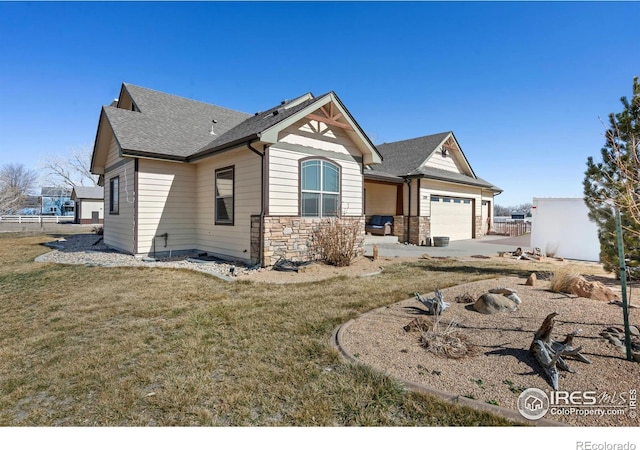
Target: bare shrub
551	249
449	342
465	298
336	241
98	229
563	280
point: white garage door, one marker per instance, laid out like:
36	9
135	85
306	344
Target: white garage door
452	217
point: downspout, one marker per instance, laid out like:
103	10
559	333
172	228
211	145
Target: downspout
262	201
409	212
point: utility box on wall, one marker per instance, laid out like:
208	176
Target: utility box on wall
562	226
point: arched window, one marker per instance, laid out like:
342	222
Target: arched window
319	188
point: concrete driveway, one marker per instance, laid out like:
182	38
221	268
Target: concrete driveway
486	246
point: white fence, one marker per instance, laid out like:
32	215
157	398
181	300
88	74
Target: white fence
37	219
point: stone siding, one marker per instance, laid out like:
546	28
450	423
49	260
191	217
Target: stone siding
420	229
291	238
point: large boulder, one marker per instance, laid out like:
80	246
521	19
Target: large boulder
492	304
592	289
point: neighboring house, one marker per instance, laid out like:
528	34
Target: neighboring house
429	187
56	201
561	226
32	206
181	175
89	204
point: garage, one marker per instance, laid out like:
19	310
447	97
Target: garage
452	217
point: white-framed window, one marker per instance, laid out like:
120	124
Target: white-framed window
224	183
319	188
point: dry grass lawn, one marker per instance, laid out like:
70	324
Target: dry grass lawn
158	347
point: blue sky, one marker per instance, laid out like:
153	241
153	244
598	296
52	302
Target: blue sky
522	85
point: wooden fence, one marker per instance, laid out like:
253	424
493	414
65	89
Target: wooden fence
511	228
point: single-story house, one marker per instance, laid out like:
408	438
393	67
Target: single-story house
182	175
429	187
89	202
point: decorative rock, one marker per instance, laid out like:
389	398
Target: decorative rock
509	293
592	289
531	281
492	304
514	298
633	330
615	341
503	291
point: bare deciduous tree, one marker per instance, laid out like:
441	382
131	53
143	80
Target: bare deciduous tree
16	182
71	169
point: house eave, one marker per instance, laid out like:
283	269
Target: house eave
223	148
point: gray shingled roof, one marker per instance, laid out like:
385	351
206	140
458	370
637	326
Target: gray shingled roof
445	175
250	128
404	158
168	125
88	192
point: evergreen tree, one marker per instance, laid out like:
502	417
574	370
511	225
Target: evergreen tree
616	182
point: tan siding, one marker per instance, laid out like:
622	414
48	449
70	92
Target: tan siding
234	241
119	228
114	153
432	187
284	183
380	199
437	161
88	206
166	205
425	201
414	198
319	135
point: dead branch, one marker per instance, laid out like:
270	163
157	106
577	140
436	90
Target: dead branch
550	353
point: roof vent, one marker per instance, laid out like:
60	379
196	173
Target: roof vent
213	132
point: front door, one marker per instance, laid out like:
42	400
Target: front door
95	217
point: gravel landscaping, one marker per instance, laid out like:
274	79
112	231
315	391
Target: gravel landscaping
502	366
88	249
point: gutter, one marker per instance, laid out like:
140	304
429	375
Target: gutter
228	146
408	181
262	200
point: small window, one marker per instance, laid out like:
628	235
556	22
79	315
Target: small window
319	188
466	202
446	200
224	196
114	195
457	200
435	198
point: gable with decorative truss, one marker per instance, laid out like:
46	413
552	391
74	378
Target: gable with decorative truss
448	156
